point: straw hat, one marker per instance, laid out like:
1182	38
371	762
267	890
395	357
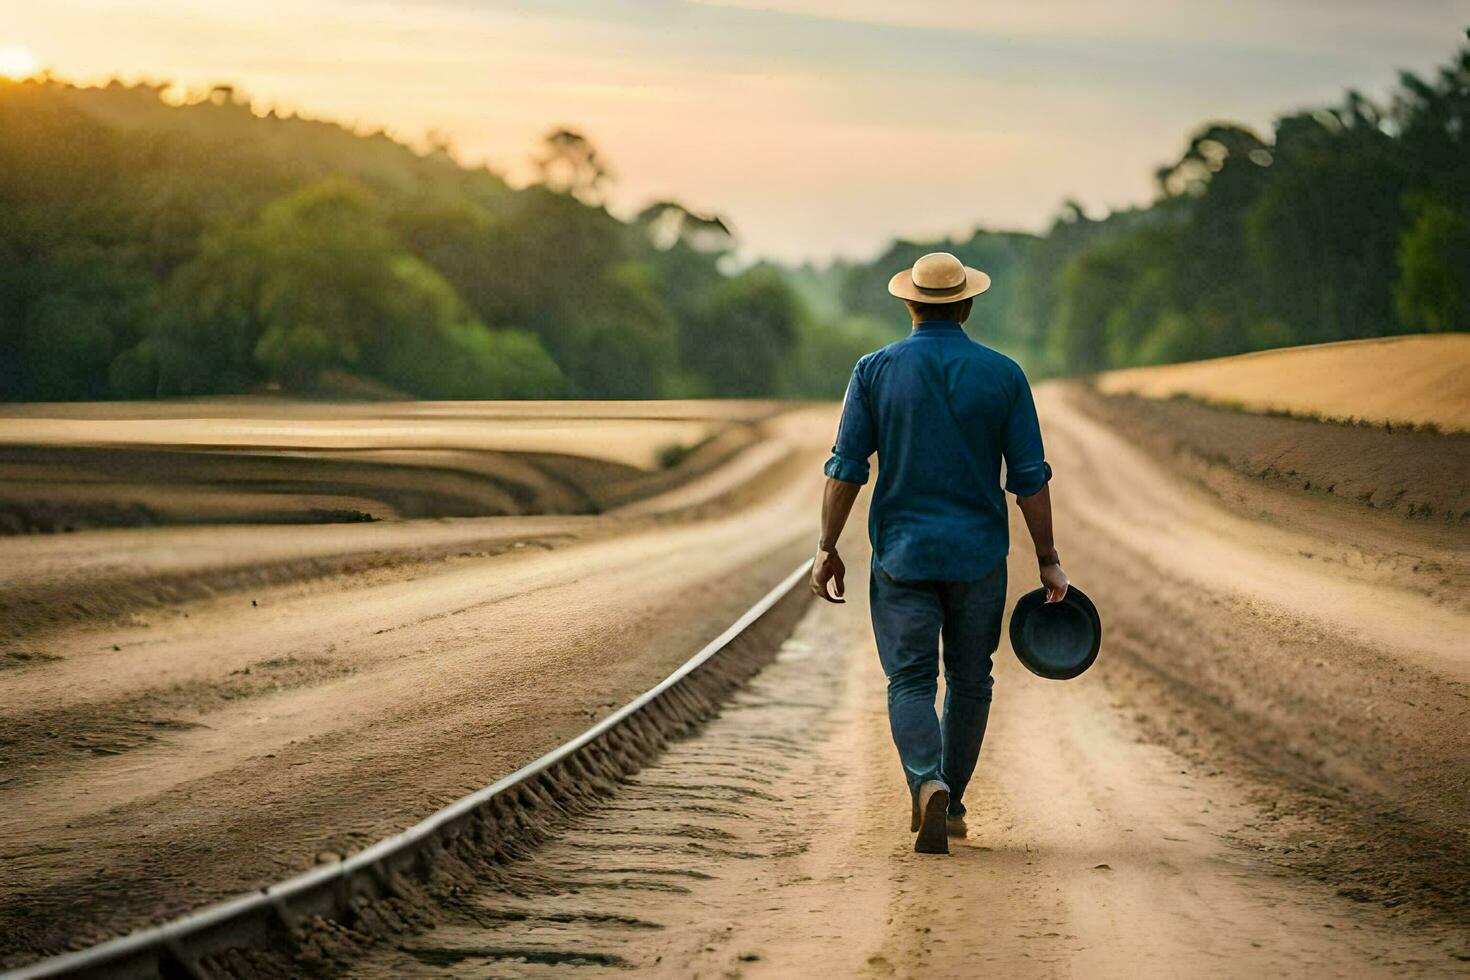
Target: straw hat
938	278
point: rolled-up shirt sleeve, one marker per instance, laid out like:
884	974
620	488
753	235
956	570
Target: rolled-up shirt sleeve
1027	470
856	435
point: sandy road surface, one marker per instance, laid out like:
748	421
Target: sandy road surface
201	749
775	845
1264	775
1125	497
1256	780
1316	644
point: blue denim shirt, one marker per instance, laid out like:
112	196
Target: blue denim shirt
940	410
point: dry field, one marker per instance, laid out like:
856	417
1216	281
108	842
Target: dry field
1417	380
194	709
69	467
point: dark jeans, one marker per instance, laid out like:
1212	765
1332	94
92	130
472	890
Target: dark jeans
908	621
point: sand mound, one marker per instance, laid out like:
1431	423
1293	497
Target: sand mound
1421	380
72	467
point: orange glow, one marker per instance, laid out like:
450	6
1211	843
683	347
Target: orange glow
18	62
799	121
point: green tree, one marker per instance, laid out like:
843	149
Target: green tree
432	346
1093	284
317	282
1433	291
626	343
1323	233
825	352
570	164
738	342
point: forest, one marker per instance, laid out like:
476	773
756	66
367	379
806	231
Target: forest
1345	221
151	249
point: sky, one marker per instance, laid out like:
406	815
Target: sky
816	127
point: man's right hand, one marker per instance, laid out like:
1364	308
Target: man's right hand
828	567
1055	581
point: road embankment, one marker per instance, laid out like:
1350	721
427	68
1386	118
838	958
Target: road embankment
1315	643
1415	474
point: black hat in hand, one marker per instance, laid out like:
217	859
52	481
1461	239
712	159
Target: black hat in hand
1057	640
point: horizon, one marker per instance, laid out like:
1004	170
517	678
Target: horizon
774	91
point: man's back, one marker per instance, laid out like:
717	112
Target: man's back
941	411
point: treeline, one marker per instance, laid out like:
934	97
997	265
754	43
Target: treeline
1343	222
152	250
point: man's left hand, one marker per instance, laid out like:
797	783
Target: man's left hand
828	567
1055	582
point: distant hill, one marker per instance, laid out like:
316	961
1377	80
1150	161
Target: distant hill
224	126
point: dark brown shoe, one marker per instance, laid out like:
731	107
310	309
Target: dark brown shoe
932	805
957	827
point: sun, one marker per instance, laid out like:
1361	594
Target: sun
18	62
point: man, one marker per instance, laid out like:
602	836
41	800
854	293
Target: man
941	411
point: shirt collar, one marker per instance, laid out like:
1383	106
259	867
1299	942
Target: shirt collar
938	326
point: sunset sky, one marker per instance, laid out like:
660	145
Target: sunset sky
818	127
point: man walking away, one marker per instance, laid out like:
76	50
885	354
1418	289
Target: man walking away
941	411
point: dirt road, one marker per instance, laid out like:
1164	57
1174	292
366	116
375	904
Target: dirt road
1263	775
775	845
1318	645
1217	798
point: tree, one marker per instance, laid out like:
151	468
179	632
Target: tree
738	342
1323	232
432	346
626	340
1093	284
1433	291
72	280
669	223
569	164
149	249
317	282
825	352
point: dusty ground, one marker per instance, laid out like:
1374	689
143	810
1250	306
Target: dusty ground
1417	380
776	845
1408	473
630	432
1258	778
156	754
1265	774
1317	646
